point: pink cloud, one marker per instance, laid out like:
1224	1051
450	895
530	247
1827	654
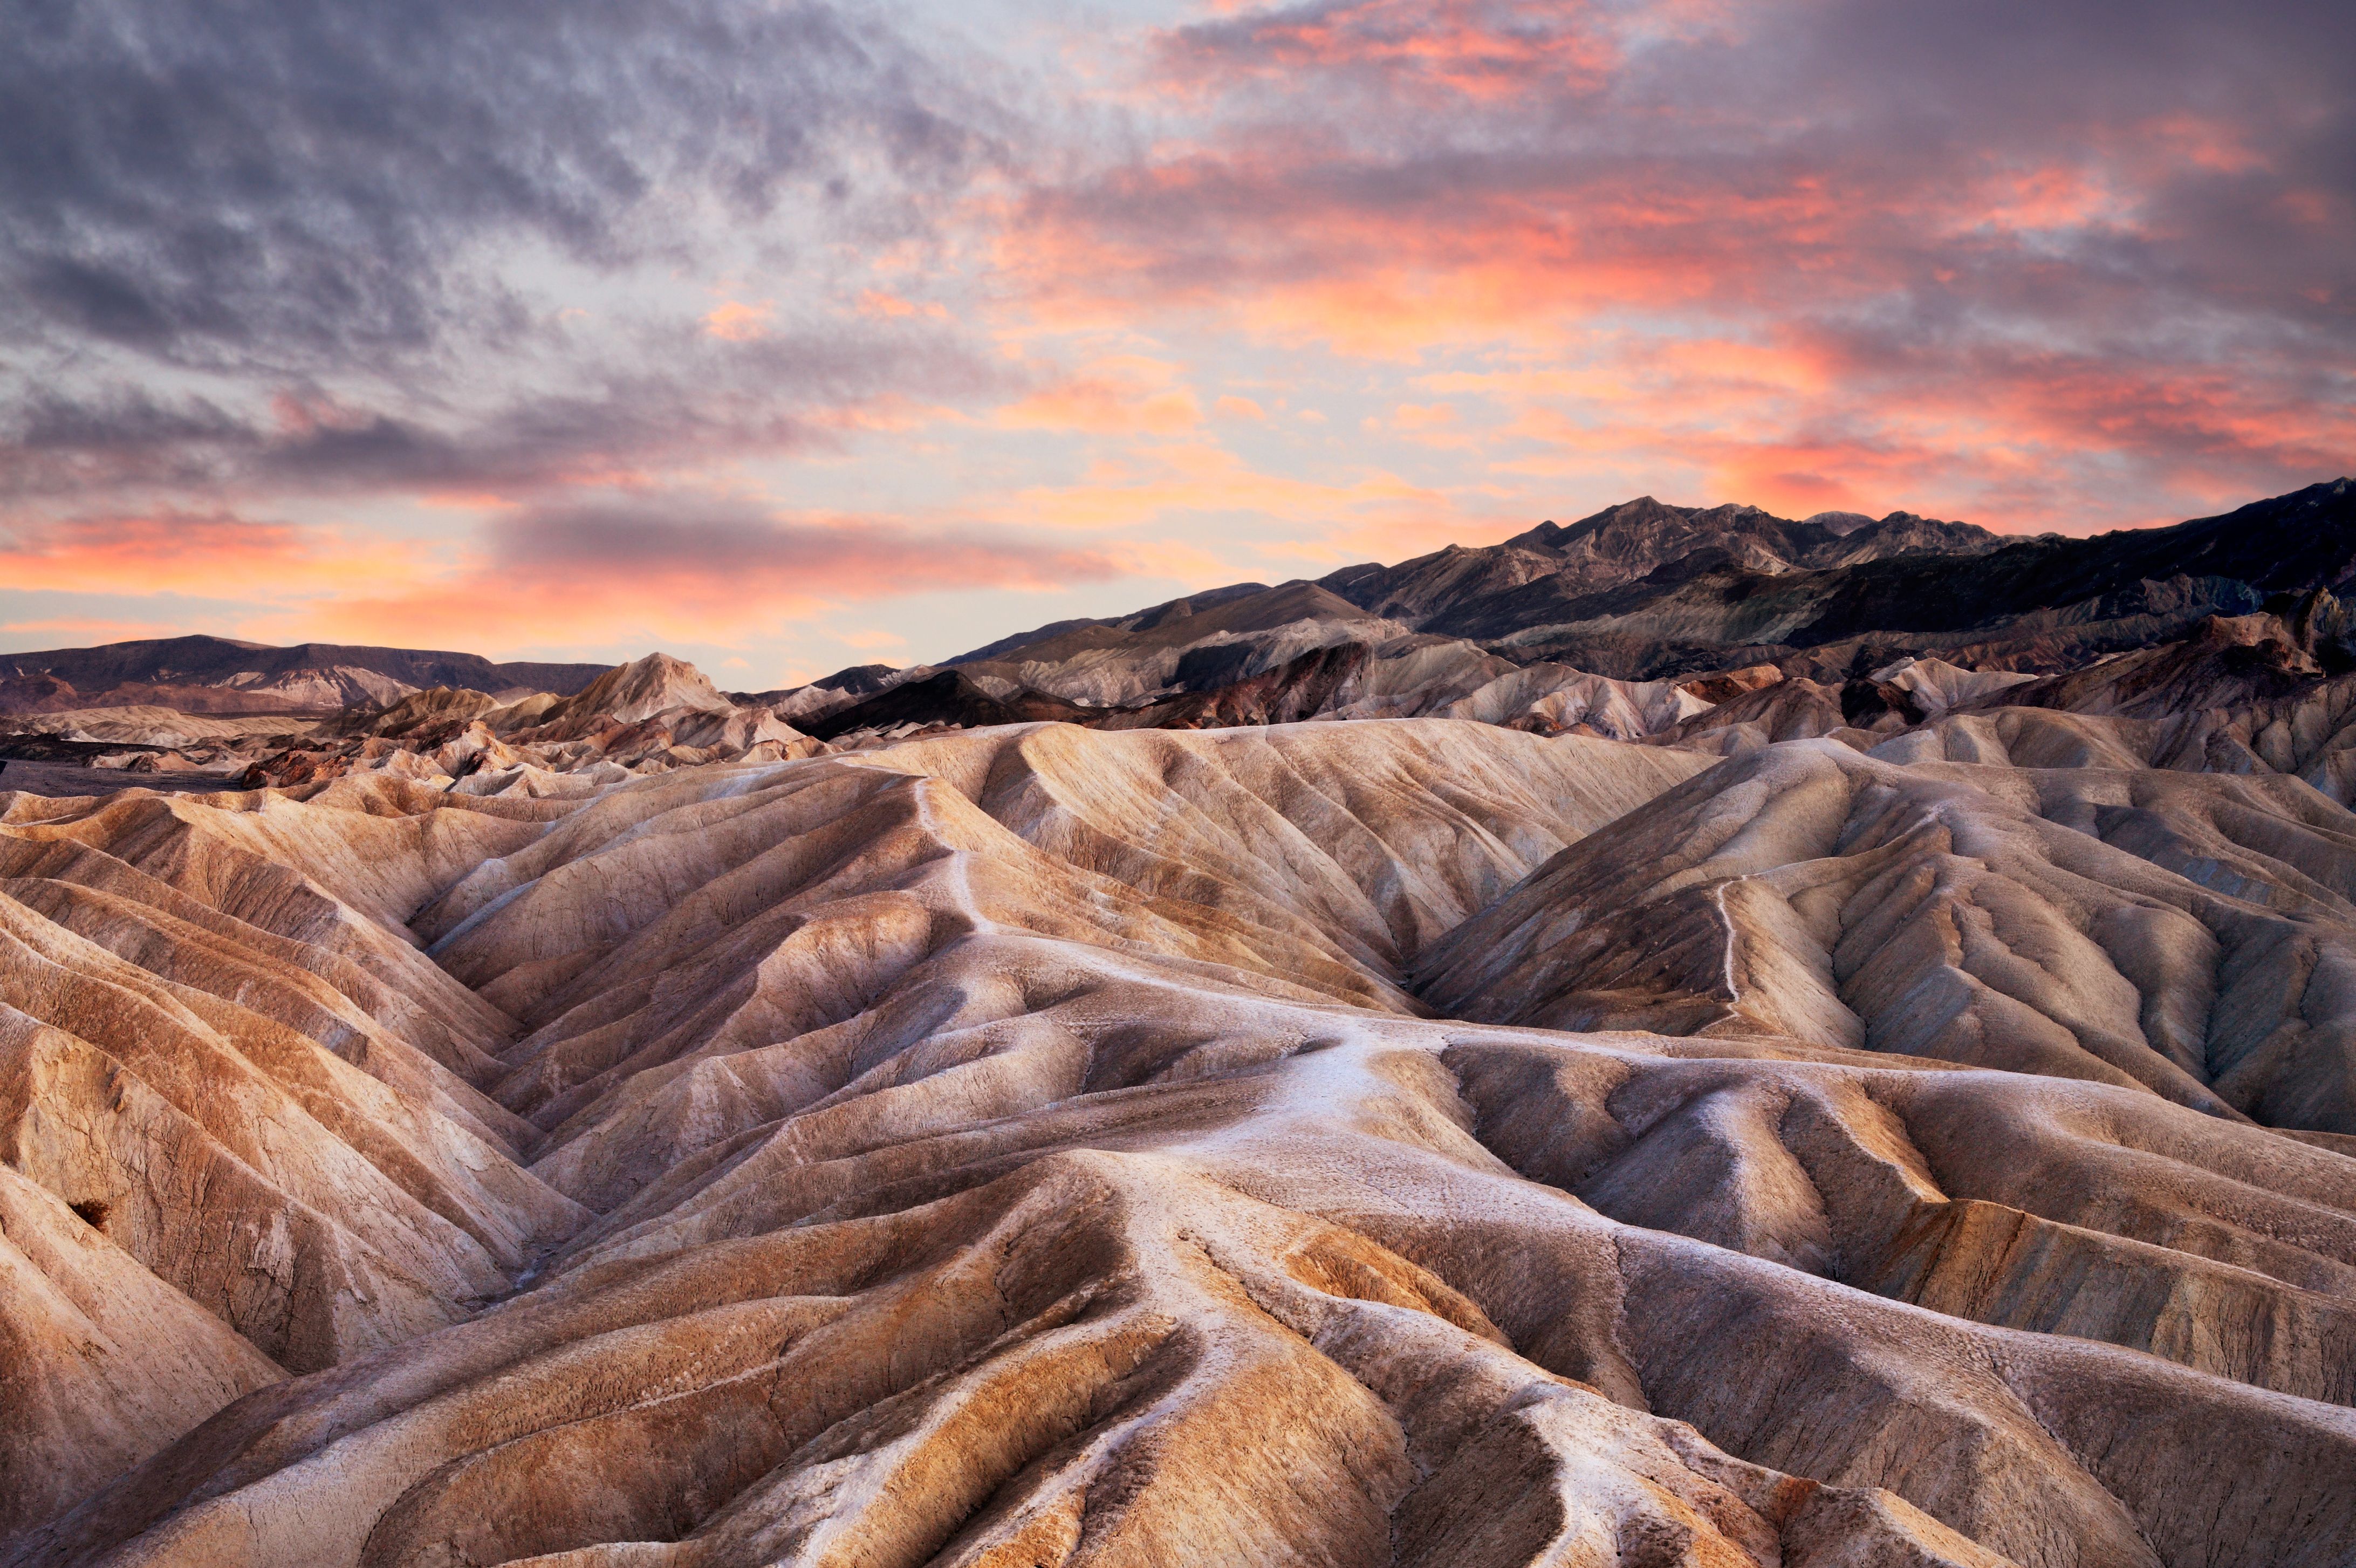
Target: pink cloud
735	321
1117	395
213	554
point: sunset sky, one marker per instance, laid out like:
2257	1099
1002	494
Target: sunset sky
785	337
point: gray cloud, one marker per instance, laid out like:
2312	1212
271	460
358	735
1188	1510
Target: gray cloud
302	180
739	548
203	206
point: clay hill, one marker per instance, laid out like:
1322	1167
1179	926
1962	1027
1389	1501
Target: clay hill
1055	1109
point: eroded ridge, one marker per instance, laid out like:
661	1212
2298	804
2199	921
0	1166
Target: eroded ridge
1038	1147
2191	935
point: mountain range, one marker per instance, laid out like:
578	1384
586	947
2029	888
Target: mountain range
1644	590
1300	1075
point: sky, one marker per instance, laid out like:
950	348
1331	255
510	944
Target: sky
786	336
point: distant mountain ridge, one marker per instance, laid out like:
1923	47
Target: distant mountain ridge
224	675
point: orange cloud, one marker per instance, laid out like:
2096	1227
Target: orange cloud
1401	281
211	555
2204	141
876	302
735	321
1119	395
1451	48
1182	484
891	414
2053	195
86	630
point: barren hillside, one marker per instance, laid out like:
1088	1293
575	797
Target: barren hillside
1406	1141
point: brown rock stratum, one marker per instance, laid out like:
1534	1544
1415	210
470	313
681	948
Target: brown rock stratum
1401	1142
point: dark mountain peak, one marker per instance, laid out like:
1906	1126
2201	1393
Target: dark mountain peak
1007	647
1162	615
2286	543
1642	512
1297	600
1647	521
858	680
1843	522
1644	588
1414	590
1841	539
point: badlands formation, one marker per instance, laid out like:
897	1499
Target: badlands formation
1894	1104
